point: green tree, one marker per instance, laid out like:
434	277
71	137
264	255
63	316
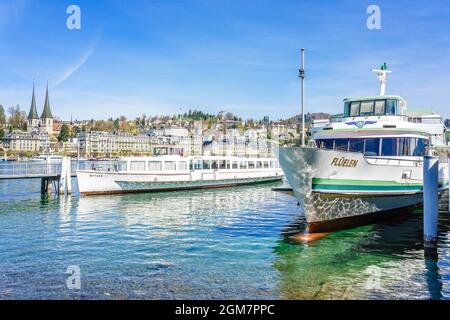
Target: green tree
2	133
64	134
2	116
17	117
117	124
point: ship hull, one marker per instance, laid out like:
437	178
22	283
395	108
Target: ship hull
339	189
93	182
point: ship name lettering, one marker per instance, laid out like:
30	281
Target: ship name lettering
344	162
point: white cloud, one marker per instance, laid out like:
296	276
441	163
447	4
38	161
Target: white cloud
72	69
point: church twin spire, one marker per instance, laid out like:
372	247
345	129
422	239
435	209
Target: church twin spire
33	111
46	113
45	123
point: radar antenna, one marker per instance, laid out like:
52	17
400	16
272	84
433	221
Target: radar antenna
382	76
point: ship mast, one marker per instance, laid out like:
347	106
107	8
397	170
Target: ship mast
382	76
302	77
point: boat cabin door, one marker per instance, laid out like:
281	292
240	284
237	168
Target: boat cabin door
196	167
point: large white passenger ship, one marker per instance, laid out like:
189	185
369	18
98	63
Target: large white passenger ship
169	173
365	164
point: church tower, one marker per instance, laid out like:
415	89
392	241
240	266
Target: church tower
46	117
33	117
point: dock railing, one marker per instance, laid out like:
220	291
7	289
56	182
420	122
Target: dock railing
18	170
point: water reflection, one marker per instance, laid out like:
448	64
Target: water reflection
382	261
211	244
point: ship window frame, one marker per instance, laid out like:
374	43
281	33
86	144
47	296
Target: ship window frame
141	163
389	142
258	164
206	165
251	165
123	165
371	112
355	142
179	166
243	164
338	149
235	165
389	108
155	162
222	164
375	113
170	168
357	109
379	147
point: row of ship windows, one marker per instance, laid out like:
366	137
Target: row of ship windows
378	146
370	108
194	165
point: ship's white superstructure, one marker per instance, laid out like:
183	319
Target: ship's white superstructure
167	173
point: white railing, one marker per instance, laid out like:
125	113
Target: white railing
394	161
29	169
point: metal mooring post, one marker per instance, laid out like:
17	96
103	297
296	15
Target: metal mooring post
430	200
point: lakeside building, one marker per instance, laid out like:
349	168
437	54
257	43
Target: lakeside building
22	141
99	142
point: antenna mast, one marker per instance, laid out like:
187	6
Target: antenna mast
302	77
382	76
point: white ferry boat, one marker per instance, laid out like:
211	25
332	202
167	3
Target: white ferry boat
169	173
48	158
364	165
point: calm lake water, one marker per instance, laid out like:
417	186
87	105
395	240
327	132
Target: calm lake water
215	244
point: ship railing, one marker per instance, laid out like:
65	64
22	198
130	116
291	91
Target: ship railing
403	117
394	161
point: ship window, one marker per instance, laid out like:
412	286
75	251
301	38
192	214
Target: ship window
266	164
169	165
214	164
356	145
420	148
391	107
354	109
389	147
137	165
222	164
182	165
258	164
197	164
366	108
404	146
346	109
123	166
372	147
327	144
206	164
154	165
341	144
380	107
251	164
235	165
243	165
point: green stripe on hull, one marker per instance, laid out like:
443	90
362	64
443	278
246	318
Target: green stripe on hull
319	184
337	187
353	182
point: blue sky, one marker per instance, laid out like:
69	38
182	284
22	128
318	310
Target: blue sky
153	57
